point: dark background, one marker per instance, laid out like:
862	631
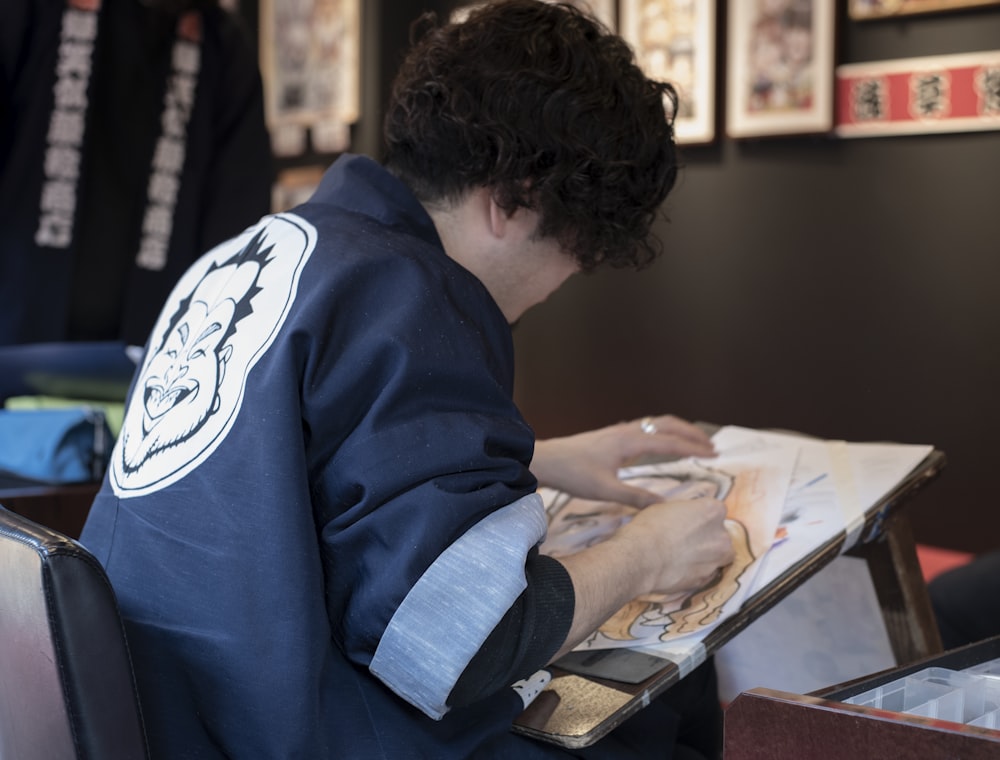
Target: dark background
844	288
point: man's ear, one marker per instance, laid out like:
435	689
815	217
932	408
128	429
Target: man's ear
520	225
499	219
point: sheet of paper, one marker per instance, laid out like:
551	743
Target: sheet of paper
787	496
833	486
753	485
828	631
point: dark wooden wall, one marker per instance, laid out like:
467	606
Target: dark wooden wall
842	288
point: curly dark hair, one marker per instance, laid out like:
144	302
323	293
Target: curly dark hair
547	108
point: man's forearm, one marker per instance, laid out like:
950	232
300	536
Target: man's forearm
667	547
605	577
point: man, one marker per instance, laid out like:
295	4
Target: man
319	517
132	139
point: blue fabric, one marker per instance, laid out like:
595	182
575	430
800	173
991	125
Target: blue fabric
360	429
455	601
54	445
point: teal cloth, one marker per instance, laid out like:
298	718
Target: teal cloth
113	411
71	445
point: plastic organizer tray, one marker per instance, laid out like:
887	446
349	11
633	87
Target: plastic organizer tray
970	696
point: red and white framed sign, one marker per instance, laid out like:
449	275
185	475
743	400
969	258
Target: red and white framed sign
947	93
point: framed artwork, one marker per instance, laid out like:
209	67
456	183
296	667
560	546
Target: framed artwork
860	10
310	63
780	67
674	41
945	93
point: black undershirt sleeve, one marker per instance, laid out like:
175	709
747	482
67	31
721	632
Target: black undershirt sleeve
526	637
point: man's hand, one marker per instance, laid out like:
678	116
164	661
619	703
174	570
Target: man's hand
586	465
668	547
689	542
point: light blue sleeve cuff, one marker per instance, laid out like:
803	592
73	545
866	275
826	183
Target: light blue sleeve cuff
456	604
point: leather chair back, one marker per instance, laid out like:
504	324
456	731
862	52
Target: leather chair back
66	683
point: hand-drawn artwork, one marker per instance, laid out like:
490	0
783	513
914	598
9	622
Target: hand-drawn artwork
575	524
310	61
831	486
221	318
672	616
781	61
674	41
753	491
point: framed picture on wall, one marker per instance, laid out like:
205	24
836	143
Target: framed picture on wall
310	63
780	67
674	41
859	10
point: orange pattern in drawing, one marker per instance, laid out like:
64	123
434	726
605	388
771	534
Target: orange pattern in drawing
577	523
